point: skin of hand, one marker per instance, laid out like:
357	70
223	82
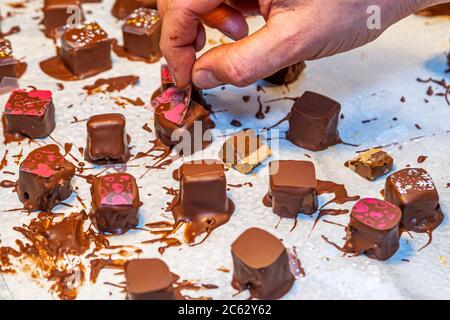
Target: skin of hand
295	30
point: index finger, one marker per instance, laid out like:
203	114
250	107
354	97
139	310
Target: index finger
179	31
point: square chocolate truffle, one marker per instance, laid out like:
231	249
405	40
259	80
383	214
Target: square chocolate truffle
371	164
287	75
57	13
86	49
414	192
313	122
8	65
44	179
115	203
122	8
292	188
149	279
374	229
244	151
107	140
202	202
180	122
30	113
142	33
261	264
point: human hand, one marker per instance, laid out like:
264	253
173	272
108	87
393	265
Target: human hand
295	30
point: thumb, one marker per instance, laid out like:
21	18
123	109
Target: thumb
255	57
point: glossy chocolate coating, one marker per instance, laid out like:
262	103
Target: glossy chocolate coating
86	49
202	202
8	65
414	192
142	33
30	113
292	188
107	140
371	164
115	203
57	14
287	75
374	229
149	279
313	122
195	113
261	264
244	151
44	179
122	8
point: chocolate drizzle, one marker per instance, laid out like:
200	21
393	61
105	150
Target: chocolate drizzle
111	84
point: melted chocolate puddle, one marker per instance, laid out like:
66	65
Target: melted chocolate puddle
111	84
4	161
122	53
340	192
55	68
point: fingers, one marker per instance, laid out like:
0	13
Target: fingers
248	60
180	34
247	7
227	20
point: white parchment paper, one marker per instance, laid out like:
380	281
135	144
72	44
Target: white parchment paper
369	83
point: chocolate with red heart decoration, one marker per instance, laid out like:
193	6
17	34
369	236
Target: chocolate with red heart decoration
30	112
373	229
44	179
115	203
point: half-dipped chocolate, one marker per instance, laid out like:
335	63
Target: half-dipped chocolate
261	264
44	179
107	140
313	122
30	112
292	188
115	203
287	75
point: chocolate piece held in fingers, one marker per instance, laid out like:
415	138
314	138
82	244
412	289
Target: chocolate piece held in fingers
44	179
287	75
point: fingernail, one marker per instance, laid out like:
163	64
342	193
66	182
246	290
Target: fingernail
205	79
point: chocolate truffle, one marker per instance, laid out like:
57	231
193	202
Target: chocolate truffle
107	140
180	122
150	279
86	49
30	112
8	65
57	13
142	32
244	151
115	203
287	75
371	164
202	202
374	229
261	264
44	179
292	188
414	192
313	122
122	8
